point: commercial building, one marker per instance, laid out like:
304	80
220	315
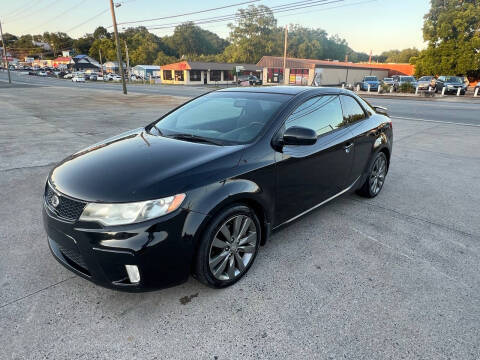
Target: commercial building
197	72
62	62
84	63
146	71
112	67
317	72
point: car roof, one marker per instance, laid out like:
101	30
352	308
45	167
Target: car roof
288	90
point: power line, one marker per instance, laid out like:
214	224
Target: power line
21	17
88	20
21	8
185	14
274	10
57	16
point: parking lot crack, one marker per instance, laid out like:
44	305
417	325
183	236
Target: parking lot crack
422	220
36	292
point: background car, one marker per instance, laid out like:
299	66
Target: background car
451	85
93	77
426	81
369	80
401	79
477	87
68	76
388	81
252	79
78	78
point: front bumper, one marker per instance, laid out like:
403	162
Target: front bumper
162	249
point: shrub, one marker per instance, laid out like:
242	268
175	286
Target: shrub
406	88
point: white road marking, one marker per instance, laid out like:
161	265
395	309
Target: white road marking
434	121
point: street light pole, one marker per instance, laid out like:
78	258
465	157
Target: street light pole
4	47
117	43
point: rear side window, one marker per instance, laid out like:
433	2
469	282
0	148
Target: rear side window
322	114
352	111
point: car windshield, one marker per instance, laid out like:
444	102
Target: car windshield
370	78
425	78
407	78
388	79
222	117
453	79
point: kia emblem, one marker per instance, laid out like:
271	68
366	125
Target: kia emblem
55	201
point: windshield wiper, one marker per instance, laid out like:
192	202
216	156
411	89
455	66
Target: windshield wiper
194	138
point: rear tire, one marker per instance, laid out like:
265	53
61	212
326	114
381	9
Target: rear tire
376	175
228	247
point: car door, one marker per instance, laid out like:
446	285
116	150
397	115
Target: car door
308	175
364	132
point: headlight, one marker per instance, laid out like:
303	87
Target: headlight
129	213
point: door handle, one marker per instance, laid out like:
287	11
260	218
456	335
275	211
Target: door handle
348	147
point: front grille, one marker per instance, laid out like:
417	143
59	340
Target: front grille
75	258
67	209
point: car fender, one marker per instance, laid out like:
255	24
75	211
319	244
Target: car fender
211	199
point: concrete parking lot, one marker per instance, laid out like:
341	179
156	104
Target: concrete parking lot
395	277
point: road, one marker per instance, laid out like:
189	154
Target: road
443	110
395	277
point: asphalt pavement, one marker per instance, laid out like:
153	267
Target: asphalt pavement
395	277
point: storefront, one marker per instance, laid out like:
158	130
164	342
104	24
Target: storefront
198	73
316	72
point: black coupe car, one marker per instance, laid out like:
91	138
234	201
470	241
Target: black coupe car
199	190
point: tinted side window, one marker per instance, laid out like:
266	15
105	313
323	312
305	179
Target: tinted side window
352	111
322	114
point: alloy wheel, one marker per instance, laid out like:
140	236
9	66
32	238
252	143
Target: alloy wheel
233	247
377	176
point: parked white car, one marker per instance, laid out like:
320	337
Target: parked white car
42	73
68	76
78	78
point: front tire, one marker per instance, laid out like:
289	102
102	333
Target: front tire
376	175
228	247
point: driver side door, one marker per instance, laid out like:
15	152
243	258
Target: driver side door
309	175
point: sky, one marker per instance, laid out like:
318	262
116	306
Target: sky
367	25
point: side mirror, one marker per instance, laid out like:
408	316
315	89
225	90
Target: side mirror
381	110
299	136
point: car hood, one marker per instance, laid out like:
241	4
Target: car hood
137	166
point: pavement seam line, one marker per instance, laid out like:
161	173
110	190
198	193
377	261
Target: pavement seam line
421	219
425	262
36	292
27	167
434	121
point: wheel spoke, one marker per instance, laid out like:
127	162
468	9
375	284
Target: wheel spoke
219	243
244	228
216	260
237	223
231	267
225	232
240	264
248	239
219	271
247	248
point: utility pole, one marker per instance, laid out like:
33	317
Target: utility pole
285	55
128	61
117	43
101	62
4	46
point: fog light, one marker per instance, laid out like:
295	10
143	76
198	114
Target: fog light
133	273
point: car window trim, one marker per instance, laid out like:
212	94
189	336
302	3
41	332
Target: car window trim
282	128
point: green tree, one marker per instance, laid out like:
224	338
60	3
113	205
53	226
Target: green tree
163	59
58	41
106	46
101	33
254	34
189	39
399	56
82	45
452	30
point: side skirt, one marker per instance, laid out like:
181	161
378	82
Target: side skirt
318	205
